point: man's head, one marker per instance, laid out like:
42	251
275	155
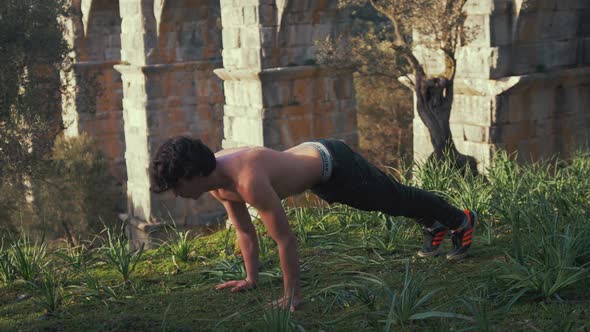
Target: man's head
180	158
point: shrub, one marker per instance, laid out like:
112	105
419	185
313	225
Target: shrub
77	195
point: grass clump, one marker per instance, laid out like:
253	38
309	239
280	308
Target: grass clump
117	253
27	257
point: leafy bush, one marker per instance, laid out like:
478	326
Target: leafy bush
33	52
78	195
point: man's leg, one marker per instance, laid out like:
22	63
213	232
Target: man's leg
360	184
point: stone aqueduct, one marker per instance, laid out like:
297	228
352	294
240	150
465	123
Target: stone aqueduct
243	72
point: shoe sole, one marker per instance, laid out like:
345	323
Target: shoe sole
434	253
458	257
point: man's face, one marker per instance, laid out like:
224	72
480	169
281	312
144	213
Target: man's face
187	189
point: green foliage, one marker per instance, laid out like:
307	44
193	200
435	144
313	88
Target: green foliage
77	196
226	269
306	222
484	308
33	51
389	236
545	264
76	257
278	319
117	253
51	290
7	269
400	307
180	245
28	257
91	287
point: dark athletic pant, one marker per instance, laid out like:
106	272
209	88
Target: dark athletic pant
360	184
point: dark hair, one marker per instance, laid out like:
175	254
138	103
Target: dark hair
178	158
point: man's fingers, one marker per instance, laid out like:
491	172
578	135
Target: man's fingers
226	284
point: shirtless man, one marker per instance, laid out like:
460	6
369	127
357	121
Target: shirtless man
262	177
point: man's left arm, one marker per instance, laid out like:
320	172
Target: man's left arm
262	196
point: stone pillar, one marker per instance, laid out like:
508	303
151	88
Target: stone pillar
275	95
169	89
519	81
138	41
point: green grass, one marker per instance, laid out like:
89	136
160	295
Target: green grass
528	271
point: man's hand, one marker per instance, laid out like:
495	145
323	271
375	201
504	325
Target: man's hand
283	303
237	285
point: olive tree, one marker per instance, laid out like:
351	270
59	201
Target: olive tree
385	39
32	53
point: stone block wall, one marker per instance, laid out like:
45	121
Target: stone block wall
170	49
308	103
98	111
275	95
96	93
545	116
188	30
184	99
102	31
521	82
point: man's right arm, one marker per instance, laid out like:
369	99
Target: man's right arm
248	242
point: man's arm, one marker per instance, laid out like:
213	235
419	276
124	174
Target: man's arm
262	196
248	242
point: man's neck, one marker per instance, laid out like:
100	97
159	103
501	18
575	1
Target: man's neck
218	179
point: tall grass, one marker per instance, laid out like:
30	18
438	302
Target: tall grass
50	288
77	257
7	271
546	264
180	245
117	253
400	308
91	287
28	258
277	318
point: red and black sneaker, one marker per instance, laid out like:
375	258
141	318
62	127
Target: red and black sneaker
433	238
463	238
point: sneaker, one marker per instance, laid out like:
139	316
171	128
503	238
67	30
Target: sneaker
462	238
433	237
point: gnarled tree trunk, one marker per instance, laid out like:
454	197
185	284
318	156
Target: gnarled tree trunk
434	101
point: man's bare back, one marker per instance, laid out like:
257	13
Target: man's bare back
289	172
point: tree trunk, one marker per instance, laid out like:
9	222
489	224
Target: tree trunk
434	101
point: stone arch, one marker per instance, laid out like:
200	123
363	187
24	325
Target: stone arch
299	25
544	35
102	29
188	30
96	107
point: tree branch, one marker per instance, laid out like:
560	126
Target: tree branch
399	43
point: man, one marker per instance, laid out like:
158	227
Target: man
262	177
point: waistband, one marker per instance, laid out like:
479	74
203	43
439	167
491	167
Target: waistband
326	160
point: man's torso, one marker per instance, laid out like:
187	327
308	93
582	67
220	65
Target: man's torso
289	172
